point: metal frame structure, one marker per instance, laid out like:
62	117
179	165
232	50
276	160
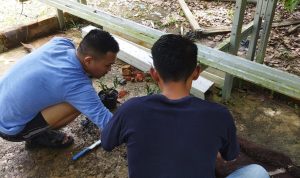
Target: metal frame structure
256	73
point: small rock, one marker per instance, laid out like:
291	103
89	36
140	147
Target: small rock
139	77
122	93
71	167
126	70
127	77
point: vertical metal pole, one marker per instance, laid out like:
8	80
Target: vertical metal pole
61	20
256	28
267	26
235	39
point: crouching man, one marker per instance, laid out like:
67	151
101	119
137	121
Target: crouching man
51	86
173	134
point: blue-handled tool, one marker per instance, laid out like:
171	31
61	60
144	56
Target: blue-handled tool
84	151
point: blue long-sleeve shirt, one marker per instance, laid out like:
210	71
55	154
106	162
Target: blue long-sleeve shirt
49	75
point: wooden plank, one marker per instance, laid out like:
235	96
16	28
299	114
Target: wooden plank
216	72
61	19
226	29
270	11
235	40
11	38
189	16
293	29
141	59
255	34
285	23
215	76
216	30
261	75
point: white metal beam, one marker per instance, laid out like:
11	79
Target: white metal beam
141	59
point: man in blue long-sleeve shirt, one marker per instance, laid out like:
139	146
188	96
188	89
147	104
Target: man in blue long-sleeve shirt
50	87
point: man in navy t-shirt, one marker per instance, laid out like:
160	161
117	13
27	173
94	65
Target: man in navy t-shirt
173	134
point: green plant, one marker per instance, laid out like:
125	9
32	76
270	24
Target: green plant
230	13
290	5
104	87
172	21
116	82
108	95
152	90
72	24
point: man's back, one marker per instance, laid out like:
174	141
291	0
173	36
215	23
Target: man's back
28	87
172	138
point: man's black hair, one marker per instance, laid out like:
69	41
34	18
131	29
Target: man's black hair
98	42
174	57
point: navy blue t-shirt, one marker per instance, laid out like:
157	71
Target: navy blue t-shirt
172	138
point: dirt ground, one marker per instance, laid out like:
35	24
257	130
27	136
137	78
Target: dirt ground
13	13
266	121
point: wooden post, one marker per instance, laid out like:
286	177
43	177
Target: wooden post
189	16
255	33
61	19
267	26
235	39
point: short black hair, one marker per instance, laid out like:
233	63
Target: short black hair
174	57
98	42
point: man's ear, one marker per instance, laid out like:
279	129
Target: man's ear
196	72
154	74
87	60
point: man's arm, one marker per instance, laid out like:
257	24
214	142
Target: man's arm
230	148
112	135
85	99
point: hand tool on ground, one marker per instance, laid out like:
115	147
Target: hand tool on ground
86	150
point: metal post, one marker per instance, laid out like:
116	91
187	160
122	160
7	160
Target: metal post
235	39
256	28
267	26
61	20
